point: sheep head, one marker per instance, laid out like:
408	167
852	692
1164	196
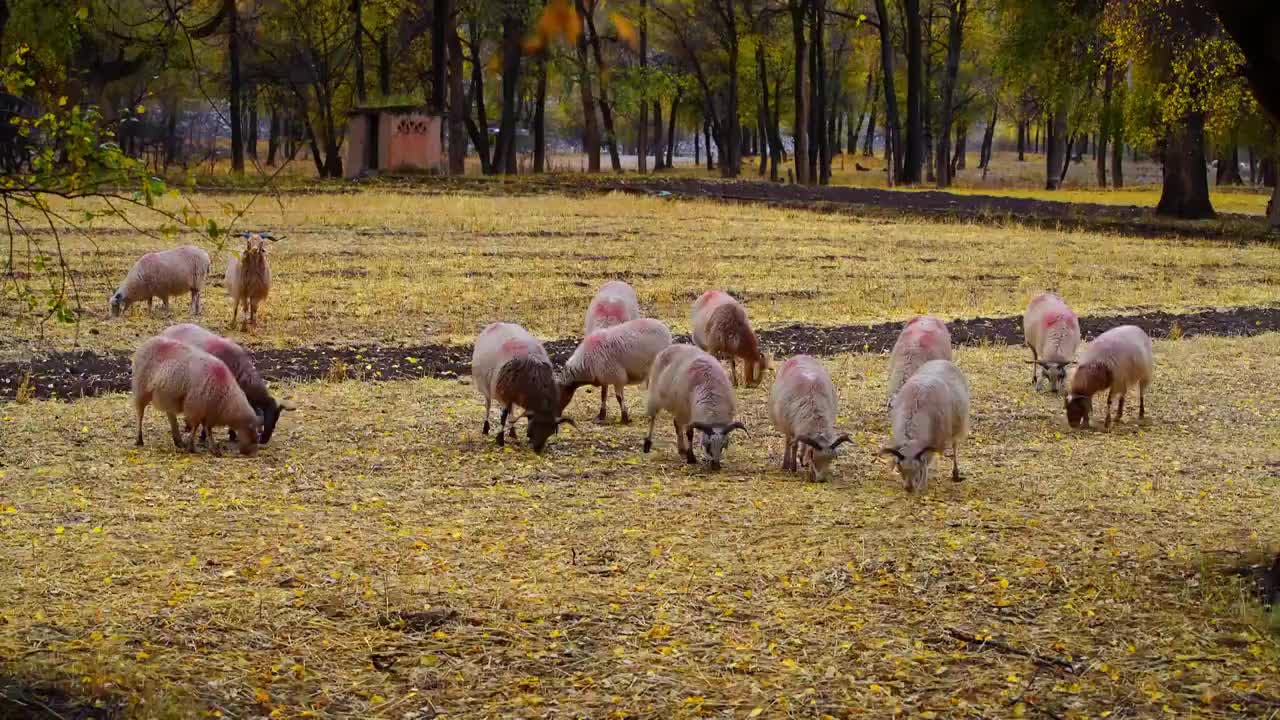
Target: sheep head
913	467
823	453
715	439
1079	408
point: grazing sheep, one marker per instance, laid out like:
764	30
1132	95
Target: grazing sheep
249	277
510	365
1115	360
803	406
720	327
931	412
178	378
617	356
923	338
163	275
241	364
1052	331
614	304
692	386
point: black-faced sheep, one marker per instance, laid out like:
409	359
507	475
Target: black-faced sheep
510	366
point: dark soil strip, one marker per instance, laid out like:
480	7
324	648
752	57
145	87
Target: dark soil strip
25	702
70	375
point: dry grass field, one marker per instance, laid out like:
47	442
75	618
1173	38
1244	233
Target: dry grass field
381	558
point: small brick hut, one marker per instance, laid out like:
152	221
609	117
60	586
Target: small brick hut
395	138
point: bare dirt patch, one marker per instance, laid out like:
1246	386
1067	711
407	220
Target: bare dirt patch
71	375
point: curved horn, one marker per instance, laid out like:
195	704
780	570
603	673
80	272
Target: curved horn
703	427
920	455
840	441
567	421
893	451
735	425
811	442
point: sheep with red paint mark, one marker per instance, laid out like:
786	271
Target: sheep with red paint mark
241	365
510	366
163	275
692	385
614	303
1052	331
183	380
721	327
930	414
924	338
1115	361
613	357
803	406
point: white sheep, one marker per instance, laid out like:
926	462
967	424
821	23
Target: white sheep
613	357
923	338
614	303
241	364
163	275
720	327
930	413
803	406
511	366
693	387
1052	331
180	379
1115	361
249	276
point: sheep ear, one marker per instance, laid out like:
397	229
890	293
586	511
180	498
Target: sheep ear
893	451
840	441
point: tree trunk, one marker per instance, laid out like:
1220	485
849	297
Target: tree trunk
439	35
1229	163
1117	159
1104	125
642	132
1055	148
1273	219
960	161
956	12
171	133
988	139
234	88
914	150
479	128
731	163
457	99
384	66
697	148
590	131
869	140
273	138
671	128
893	151
1253	165
798	10
814	132
706	136
766	116
606	108
251	141
657	135
1185	192
540	118
357	40
820	111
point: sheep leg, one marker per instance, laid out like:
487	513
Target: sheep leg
788	450
195	302
604	405
1120	410
1107	424
488	406
140	404
191	439
1142	402
955	463
688	438
1035	359
235	311
502	425
253	312
175	432
622	406
210	443
648	439
164	305
733	369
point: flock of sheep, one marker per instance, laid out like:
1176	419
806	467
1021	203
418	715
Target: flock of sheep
212	382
